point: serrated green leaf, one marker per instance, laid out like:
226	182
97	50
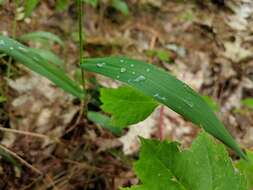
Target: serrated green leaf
38	64
166	89
246	167
30	6
41	35
126	105
205	166
103	121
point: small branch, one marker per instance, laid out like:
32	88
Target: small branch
21	160
37	135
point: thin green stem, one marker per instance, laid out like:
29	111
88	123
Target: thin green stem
83	106
80	22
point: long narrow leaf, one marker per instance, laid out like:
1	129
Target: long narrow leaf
49	56
38	64
166	89
38	35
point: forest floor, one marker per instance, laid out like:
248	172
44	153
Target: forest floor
207	45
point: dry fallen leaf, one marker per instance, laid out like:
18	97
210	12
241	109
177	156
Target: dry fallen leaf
235	52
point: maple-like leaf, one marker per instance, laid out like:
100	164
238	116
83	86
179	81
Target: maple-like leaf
127	105
205	166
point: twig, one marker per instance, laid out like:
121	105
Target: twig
37	135
21	159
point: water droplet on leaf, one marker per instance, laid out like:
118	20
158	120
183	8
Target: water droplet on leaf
122	70
22	49
140	78
36	58
2	42
100	64
158	96
189	103
148	70
132	65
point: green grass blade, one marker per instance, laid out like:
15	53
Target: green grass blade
166	89
30	6
49	56
41	35
104	121
38	64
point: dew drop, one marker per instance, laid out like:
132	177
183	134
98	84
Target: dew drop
122	70
22	49
159	174
148	70
2	42
11	48
118	76
188	103
133	73
158	96
36	58
121	61
100	64
132	65
140	78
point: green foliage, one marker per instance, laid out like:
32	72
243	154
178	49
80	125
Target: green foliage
94	3
9	158
212	104
248	102
38	64
205	166
126	105
160	54
164	88
49	56
246	167
62	5
30	6
41	35
2	99
2	2
121	6
104	121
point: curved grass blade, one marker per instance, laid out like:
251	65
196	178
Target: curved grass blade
49	56
30	6
166	89
41	35
38	64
